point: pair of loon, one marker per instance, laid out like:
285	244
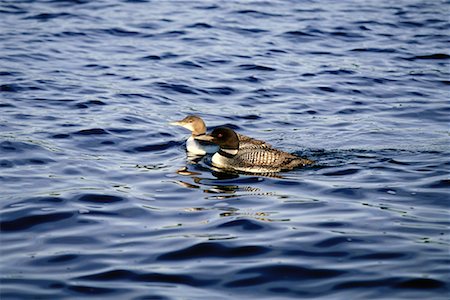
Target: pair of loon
234	151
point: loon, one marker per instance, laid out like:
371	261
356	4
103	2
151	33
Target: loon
198	146
251	160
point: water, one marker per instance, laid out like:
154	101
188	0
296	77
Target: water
100	202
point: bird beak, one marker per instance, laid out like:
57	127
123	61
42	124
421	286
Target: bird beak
205	137
176	123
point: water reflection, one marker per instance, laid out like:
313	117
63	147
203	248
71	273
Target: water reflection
203	182
223	184
226	186
260	216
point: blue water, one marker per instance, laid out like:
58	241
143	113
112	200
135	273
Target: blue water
99	201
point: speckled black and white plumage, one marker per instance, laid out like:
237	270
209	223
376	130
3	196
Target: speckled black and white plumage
259	160
252	160
246	142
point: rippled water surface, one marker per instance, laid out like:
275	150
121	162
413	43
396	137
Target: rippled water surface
98	198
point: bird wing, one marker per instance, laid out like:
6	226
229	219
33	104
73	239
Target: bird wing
264	157
248	142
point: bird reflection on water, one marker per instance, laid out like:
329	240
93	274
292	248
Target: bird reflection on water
226	191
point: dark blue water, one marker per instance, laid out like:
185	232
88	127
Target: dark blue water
98	200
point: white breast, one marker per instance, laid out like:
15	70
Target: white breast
194	147
220	161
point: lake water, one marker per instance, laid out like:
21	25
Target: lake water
98	198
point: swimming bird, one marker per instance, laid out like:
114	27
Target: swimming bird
252	160
197	146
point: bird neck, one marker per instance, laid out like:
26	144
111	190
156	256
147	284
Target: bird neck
228	152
